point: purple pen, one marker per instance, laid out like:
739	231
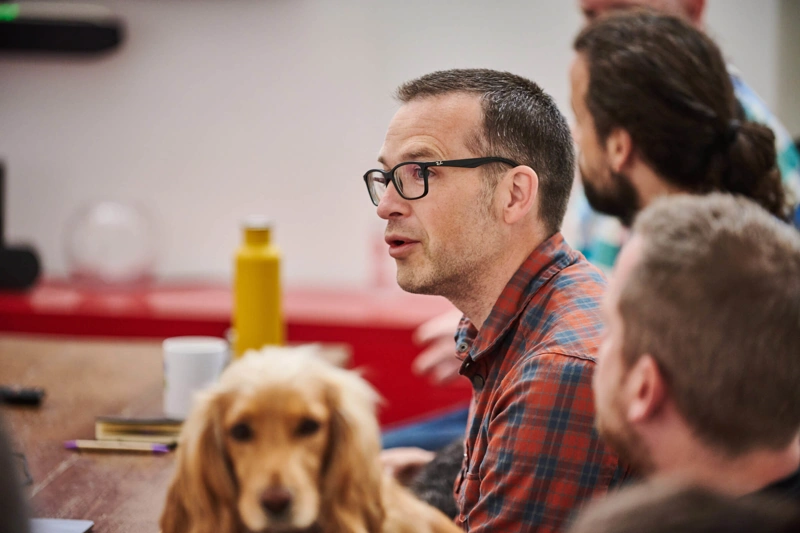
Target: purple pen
115	445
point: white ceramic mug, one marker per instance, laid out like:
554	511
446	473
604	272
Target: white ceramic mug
190	364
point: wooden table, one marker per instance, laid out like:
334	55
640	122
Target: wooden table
120	492
84	379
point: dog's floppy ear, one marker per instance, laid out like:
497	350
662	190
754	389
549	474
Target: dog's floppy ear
202	495
351	485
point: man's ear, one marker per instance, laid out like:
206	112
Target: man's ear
521	193
646	389
694	11
619	149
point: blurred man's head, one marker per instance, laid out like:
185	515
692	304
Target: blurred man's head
691	10
702	336
670	508
655	113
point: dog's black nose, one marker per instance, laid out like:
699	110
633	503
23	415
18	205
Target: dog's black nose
276	500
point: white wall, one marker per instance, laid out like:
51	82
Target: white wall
747	32
789	65
213	110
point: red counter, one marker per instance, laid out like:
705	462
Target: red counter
377	325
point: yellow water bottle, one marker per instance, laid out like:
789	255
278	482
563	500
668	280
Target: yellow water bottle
257	318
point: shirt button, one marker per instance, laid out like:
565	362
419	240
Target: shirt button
462	347
478	381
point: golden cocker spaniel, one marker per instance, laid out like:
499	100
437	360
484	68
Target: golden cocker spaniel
286	442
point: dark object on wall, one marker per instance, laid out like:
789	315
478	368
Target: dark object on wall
19	265
59	27
19	268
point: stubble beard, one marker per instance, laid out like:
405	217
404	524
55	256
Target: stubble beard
457	275
442	276
624	440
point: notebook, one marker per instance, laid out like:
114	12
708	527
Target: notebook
57	525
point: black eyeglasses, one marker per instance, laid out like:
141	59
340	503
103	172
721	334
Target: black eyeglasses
411	178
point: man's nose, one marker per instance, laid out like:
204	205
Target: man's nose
391	203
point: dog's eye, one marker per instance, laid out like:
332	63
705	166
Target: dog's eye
307	426
241	432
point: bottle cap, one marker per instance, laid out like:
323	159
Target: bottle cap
257	222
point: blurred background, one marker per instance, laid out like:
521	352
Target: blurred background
213	110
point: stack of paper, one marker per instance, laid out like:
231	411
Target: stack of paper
153	430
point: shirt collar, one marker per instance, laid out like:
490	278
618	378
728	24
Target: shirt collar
549	258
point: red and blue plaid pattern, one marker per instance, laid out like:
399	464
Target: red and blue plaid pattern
532	453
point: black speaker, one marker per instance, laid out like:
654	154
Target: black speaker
61	27
19	268
19	265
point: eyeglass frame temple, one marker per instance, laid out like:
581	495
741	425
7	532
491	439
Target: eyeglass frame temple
473	162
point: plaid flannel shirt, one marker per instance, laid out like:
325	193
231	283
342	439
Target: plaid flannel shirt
600	237
532	453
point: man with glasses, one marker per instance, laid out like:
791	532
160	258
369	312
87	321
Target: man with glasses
599	237
477	166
